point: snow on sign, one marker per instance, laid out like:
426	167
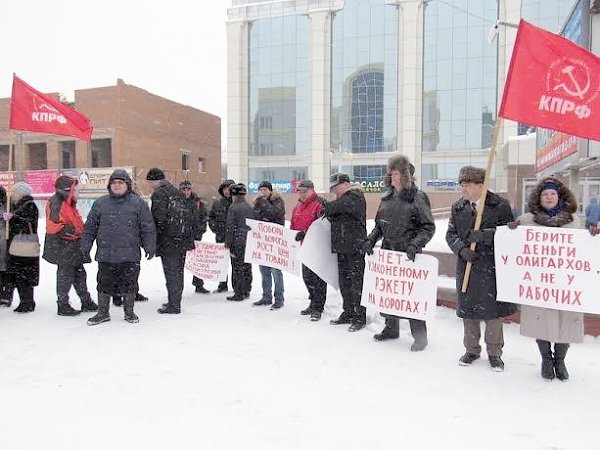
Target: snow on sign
395	285
556	268
208	261
273	245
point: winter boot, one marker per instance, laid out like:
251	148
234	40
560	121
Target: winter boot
169	309
547	359
88	305
201	290
306	312
390	331
65	309
560	352
221	288
25	306
140	298
102	315
128	301
344	318
418	329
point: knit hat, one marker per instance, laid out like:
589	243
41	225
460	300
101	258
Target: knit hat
22	188
307	184
238	189
155	174
266	184
185	184
225	184
338	178
470	174
550	184
65	183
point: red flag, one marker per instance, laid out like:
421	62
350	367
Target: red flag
30	110
552	83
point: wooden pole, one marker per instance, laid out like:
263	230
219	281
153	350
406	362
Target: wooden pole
486	183
11	150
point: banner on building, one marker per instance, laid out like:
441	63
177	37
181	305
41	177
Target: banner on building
208	261
273	245
315	252
395	285
30	110
95	181
552	83
556	268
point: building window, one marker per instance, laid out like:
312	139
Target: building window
185	161
201	166
4	149
101	152
38	159
67	154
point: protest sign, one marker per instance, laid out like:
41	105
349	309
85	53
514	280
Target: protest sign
556	268
395	285
208	261
272	245
315	252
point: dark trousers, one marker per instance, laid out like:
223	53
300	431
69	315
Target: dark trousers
317	289
351	269
241	277
6	293
173	265
494	336
67	276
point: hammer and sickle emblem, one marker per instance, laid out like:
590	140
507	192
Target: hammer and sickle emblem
577	90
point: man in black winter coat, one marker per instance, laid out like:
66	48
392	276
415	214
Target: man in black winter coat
347	214
236	231
121	224
479	302
200	219
270	207
217	219
405	223
174	220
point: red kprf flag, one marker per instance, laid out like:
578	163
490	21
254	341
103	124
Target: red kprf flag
552	83
31	110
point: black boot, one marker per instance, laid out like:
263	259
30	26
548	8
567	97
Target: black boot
88	305
418	329
547	359
344	318
128	301
560	352
167	308
390	331
25	306
102	315
221	288
140	298
65	309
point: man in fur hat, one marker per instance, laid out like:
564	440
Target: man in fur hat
347	214
405	224
217	218
479	302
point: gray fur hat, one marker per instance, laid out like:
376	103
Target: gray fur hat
470	174
405	167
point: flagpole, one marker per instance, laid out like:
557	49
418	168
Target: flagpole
11	150
486	183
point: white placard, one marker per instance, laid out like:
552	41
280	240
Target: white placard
557	268
315	252
273	245
208	261
395	285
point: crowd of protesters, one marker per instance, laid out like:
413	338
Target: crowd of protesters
122	225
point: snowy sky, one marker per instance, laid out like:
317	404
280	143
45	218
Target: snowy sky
175	49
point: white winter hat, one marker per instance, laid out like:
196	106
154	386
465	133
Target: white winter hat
22	188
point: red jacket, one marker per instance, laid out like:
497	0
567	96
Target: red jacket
305	213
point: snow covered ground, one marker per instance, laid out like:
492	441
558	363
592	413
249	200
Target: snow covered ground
226	375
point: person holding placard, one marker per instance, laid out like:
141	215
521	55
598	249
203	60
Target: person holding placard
217	218
551	204
405	223
479	302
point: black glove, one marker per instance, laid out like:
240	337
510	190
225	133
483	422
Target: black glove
68	231
300	235
368	248
485	237
411	252
150	255
594	230
468	255
321	213
86	258
513	225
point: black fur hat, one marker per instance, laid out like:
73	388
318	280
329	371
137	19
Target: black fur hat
155	174
238	189
405	167
470	174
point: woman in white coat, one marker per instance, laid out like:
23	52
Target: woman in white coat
551	204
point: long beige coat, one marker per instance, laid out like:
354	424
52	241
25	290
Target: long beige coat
551	324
